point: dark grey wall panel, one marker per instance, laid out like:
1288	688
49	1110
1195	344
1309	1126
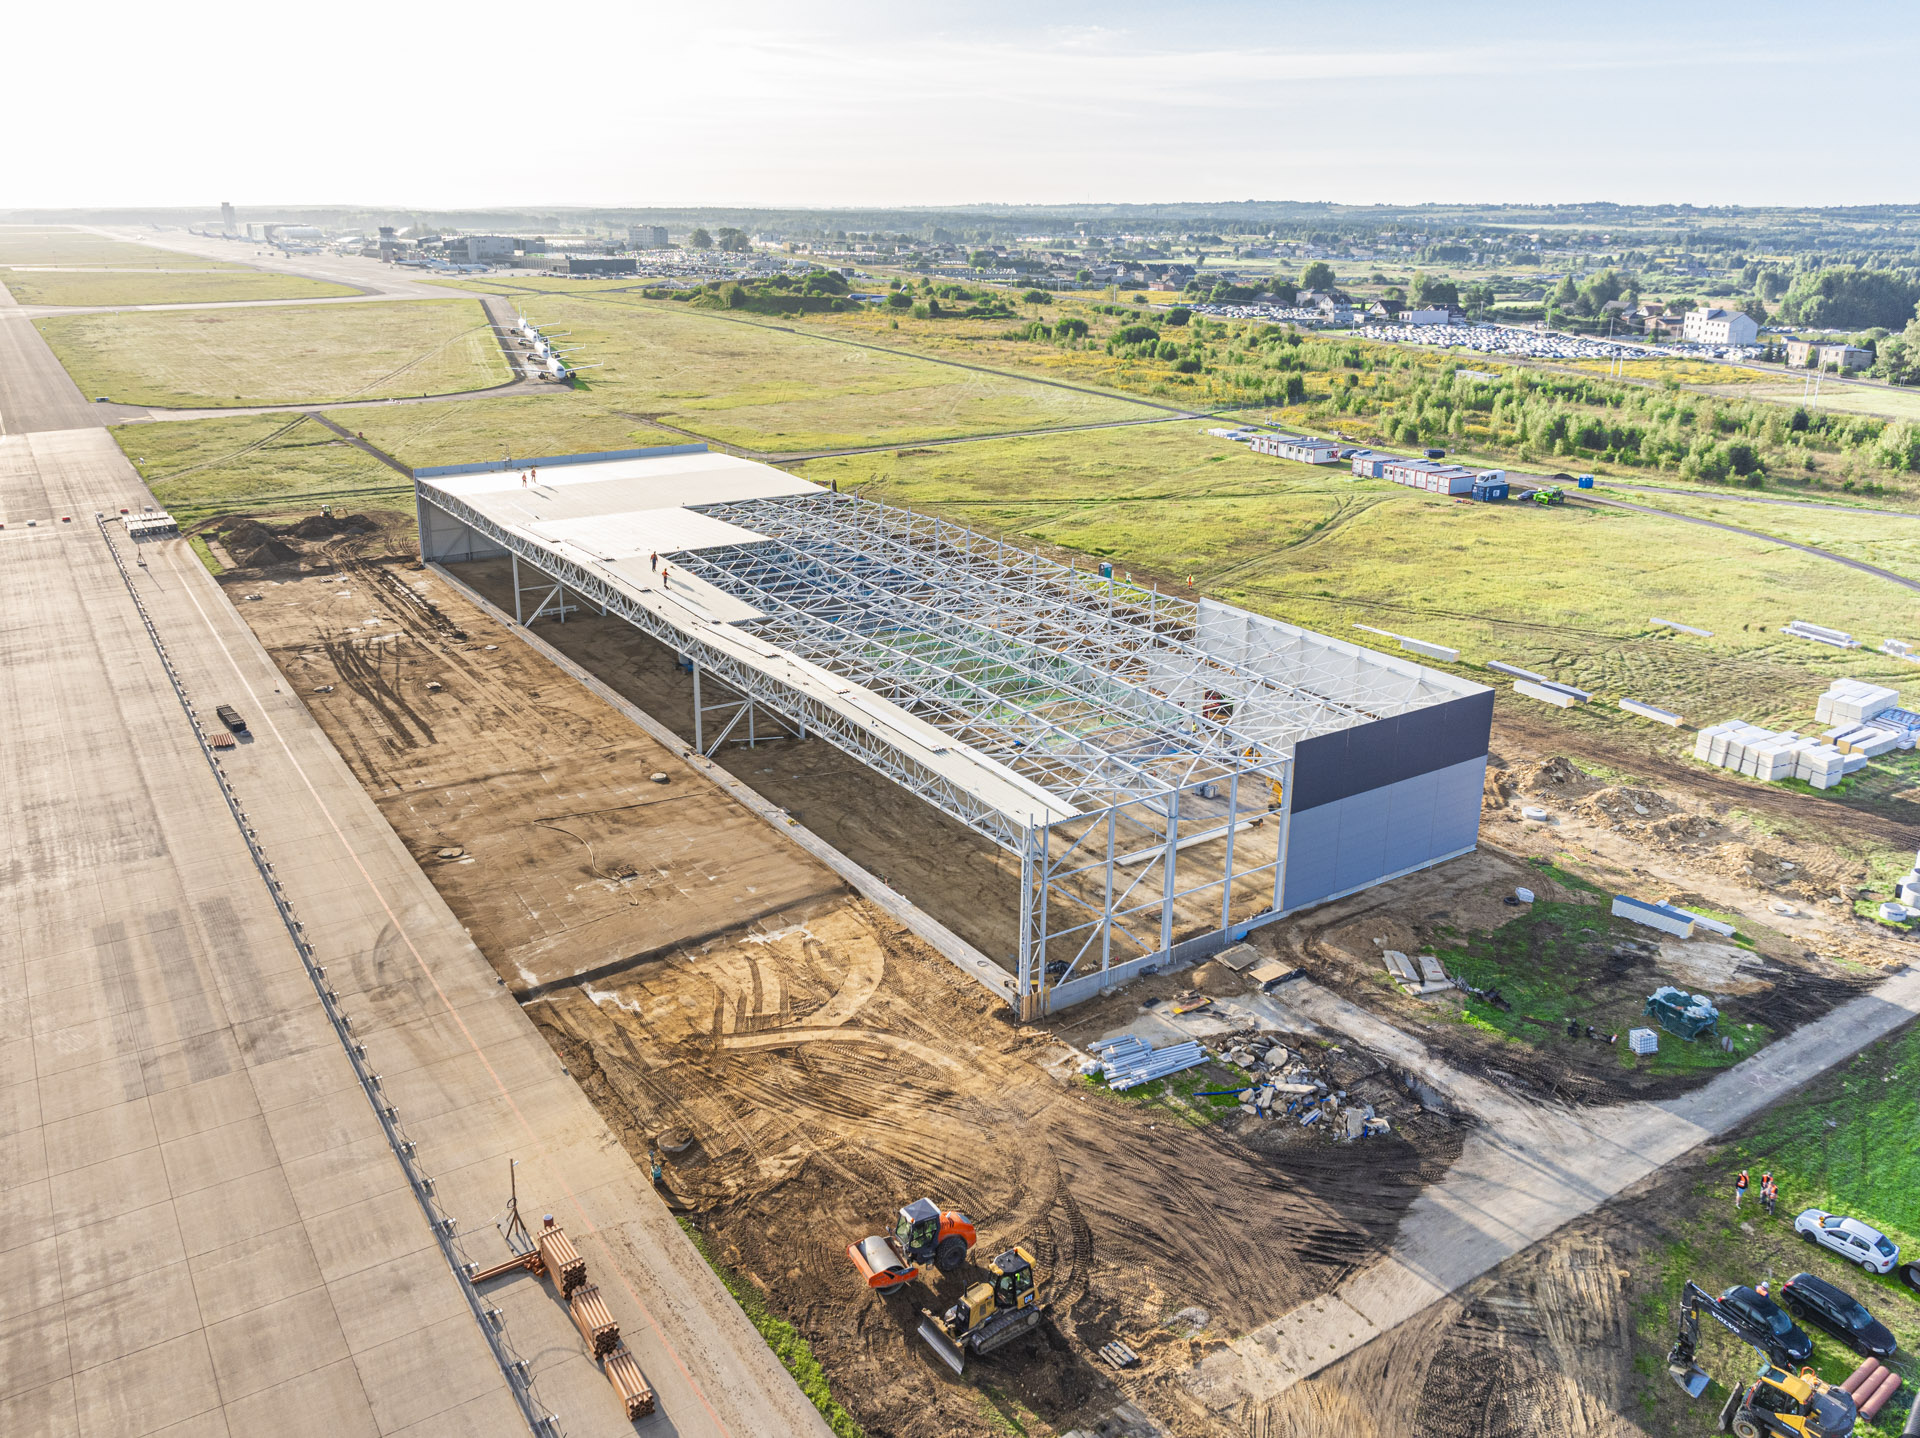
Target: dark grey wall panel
1331	767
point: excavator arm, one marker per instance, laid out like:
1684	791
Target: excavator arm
1681	1364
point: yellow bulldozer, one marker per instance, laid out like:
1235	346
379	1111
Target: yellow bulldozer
989	1315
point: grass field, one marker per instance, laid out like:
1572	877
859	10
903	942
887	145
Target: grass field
1844	1143
161	287
1565	590
1893	543
468	431
186	359
262	465
1888	403
771	387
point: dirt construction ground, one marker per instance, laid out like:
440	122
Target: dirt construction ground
707	983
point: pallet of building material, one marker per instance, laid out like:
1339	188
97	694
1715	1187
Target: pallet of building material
1400	966
1868	739
594	1319
1430	969
1653	712
1559	698
1675	624
1157	1065
1854	701
1500	666
1117	1355
1271	973
623	1372
562	1260
1820	634
1238	957
1663	917
1701	921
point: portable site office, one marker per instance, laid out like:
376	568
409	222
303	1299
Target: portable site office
1169	772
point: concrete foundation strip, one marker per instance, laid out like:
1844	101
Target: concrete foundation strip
956	950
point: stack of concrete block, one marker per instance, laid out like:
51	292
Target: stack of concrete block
1762	753
1854	702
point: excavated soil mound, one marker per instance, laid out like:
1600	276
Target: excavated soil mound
253	546
331	526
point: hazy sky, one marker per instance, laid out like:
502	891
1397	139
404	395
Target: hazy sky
842	102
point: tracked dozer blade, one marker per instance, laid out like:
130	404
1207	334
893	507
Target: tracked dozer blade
1692	1378
950	1352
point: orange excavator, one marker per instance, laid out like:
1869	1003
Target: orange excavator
922	1233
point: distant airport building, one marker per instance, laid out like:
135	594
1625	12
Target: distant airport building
646	237
226	217
481	248
1719	327
599	265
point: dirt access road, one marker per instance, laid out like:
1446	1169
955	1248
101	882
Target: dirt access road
703	979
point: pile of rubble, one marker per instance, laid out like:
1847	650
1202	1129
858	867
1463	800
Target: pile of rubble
1288	1085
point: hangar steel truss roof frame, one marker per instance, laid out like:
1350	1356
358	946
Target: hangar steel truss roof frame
1095	689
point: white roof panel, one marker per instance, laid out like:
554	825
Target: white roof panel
648	531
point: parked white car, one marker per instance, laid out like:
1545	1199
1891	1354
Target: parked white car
1850	1238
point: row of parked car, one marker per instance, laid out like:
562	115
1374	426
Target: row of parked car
1814	1301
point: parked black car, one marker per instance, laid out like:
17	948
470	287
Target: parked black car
1789	1345
1816	1301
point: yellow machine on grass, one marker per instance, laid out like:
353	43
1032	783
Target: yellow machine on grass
989	1315
1778	1403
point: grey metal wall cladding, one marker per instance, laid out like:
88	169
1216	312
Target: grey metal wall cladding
1356	840
1331	767
444	537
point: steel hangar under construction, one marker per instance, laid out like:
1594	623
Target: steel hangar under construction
1168	772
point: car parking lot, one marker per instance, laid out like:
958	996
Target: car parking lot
1542	344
